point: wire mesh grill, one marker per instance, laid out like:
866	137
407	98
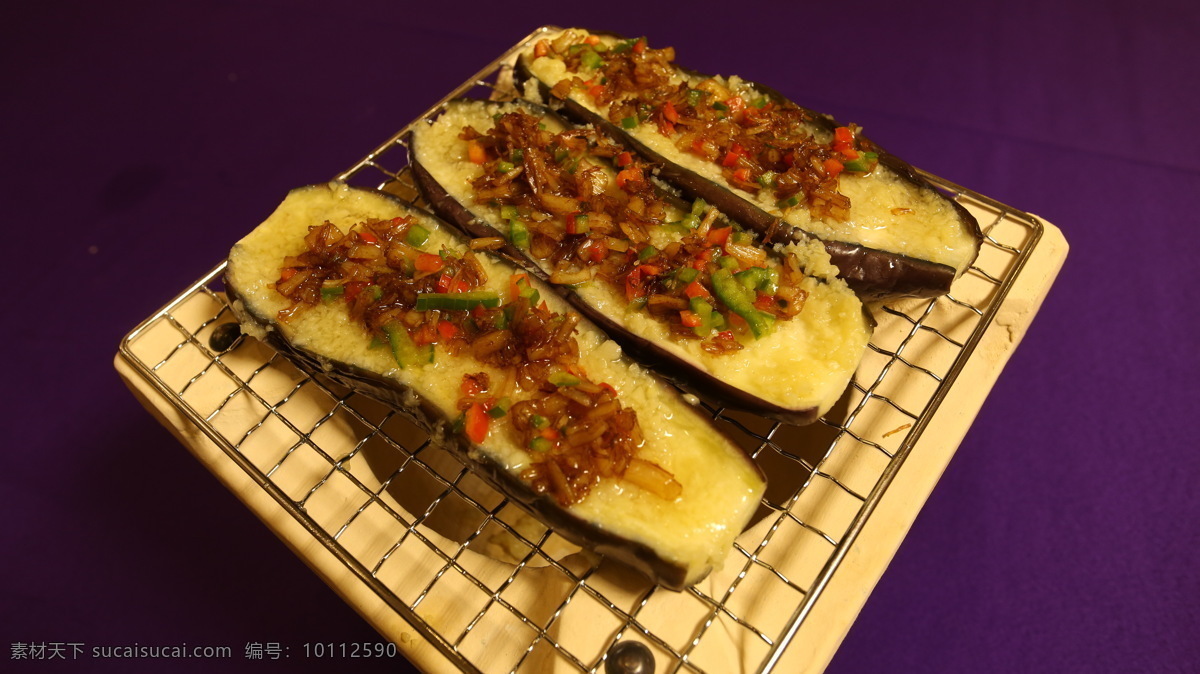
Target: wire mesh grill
493	589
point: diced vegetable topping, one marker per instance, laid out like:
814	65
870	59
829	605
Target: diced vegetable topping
571	212
760	142
415	302
457	301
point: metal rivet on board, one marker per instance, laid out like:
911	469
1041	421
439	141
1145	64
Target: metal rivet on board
224	337
629	657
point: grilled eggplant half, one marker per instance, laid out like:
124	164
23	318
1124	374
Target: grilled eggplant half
774	166
361	287
699	299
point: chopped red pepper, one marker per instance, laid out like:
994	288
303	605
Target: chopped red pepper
595	90
427	334
843	142
718	236
598	250
476	424
690	319
669	112
833	167
608	387
287	273
541	49
735	153
353	289
476	152
514	289
633	285
624	159
639	47
631	174
696	289
742	175
447	329
592	40
428	262
572	226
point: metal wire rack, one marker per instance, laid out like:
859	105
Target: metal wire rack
492	589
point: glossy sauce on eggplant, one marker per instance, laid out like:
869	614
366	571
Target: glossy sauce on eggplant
707	279
409	300
764	160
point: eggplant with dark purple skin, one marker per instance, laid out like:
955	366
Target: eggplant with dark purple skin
791	368
674	536
899	236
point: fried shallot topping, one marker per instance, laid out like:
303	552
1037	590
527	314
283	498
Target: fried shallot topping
711	282
760	141
409	299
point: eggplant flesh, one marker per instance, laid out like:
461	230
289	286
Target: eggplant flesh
674	542
795	373
902	237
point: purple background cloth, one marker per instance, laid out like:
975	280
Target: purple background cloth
140	140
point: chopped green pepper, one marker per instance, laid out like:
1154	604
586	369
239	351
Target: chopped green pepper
417	236
704	310
740	301
629	122
563	379
404	349
647	253
500	408
752	278
457	301
770	285
527	291
331	293
590	59
518	233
